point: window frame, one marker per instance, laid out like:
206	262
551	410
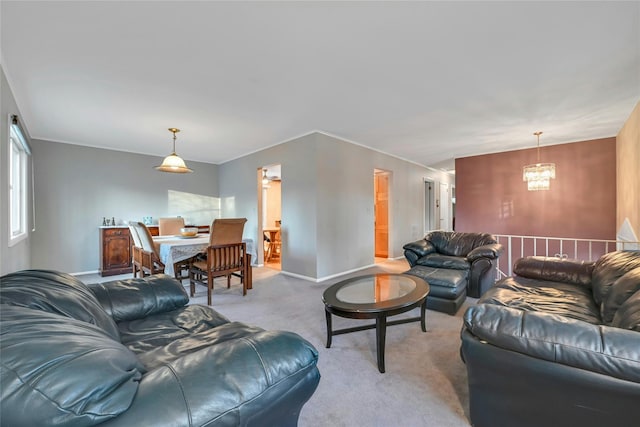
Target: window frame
18	158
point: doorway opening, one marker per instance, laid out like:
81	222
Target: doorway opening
270	209
429	206
445	207
381	189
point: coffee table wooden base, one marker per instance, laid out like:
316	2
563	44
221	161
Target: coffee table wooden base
380	325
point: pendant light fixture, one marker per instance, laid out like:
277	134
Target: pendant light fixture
173	163
539	175
265	180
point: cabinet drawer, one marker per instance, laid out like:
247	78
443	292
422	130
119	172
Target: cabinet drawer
115	232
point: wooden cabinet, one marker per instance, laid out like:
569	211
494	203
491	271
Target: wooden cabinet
115	251
115	248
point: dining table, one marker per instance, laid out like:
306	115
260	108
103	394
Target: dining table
173	249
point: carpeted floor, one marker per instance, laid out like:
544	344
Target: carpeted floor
425	383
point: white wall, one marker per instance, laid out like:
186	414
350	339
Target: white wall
239	185
327	201
76	186
17	257
346	201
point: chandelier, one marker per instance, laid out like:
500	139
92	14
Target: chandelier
539	175
173	163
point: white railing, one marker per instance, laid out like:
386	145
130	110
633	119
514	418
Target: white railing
516	247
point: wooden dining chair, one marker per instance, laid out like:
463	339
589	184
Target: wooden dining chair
136	250
226	256
276	245
148	254
170	226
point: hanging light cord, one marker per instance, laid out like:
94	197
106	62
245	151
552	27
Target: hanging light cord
174	130
538	135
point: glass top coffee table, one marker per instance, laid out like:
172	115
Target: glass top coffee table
375	296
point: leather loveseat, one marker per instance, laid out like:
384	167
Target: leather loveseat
455	265
133	353
558	344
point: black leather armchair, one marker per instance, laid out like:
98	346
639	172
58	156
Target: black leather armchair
474	254
133	353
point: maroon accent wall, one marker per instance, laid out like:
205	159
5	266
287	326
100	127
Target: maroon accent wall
492	197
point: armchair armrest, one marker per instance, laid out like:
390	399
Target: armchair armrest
415	250
420	247
491	251
597	348
238	382
138	298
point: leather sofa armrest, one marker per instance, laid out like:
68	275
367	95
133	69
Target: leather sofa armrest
554	269
132	299
415	250
238	382
420	247
491	251
597	348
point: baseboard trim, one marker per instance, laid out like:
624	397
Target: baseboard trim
81	273
322	279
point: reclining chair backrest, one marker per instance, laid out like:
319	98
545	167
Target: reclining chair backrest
458	244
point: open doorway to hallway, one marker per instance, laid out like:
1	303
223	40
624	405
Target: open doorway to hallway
381	189
271	209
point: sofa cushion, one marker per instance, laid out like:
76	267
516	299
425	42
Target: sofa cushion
609	268
161	329
558	298
628	315
619	293
58	293
57	370
443	261
137	298
194	342
443	283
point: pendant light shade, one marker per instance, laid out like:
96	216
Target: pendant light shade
173	163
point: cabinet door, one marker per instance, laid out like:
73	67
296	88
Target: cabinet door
116	251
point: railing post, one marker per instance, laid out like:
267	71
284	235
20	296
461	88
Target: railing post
508	239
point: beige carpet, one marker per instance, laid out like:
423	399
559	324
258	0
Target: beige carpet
425	383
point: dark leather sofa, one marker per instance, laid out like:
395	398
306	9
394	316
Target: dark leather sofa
133	353
558	344
455	265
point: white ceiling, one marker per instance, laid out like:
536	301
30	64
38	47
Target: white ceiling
424	81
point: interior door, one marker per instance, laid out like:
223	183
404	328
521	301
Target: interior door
381	212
